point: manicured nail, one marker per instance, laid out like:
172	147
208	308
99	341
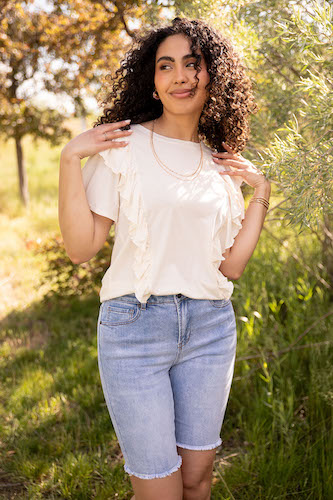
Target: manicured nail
127	121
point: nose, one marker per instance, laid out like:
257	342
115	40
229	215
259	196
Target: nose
180	75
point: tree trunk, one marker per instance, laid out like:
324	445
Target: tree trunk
23	181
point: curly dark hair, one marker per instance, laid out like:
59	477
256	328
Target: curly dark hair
225	114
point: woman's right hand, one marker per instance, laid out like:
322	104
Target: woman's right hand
93	141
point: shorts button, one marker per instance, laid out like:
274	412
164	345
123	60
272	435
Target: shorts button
179	295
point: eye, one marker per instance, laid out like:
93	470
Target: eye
168	66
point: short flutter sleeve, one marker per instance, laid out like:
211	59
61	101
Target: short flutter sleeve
101	186
228	225
236	213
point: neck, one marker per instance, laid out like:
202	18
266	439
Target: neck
182	127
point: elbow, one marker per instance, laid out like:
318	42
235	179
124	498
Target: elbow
75	260
233	275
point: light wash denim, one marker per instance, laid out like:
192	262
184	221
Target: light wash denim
166	368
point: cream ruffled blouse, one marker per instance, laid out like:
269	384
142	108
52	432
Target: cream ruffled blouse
170	233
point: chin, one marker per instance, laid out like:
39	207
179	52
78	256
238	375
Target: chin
179	107
182	111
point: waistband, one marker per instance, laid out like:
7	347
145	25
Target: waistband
153	299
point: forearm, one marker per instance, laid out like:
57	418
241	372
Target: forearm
248	236
75	218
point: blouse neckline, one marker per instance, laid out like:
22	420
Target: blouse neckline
168	139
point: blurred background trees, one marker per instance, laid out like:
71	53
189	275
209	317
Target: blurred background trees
65	48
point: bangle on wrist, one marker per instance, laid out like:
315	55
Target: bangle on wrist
261	200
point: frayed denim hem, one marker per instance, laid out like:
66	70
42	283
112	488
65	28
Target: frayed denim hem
207	447
155	476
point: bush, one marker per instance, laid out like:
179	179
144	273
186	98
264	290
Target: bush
65	278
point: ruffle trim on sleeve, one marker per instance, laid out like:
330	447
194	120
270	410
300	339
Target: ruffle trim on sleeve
226	232
120	161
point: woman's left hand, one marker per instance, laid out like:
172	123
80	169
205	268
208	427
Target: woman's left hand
244	168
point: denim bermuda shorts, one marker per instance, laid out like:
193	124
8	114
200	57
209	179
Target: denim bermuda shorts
166	368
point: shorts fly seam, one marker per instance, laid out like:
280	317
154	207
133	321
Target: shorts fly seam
180	318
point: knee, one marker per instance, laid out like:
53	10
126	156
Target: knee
198	490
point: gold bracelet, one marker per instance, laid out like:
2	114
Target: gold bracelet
259	201
260	198
263	201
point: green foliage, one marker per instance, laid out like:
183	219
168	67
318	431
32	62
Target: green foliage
67	279
303	170
301	158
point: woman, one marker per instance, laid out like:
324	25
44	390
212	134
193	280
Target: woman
166	325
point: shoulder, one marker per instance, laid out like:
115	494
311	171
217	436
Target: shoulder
206	148
207	151
138	131
147	125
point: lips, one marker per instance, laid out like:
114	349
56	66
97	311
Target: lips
182	92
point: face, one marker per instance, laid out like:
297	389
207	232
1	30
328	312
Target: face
174	71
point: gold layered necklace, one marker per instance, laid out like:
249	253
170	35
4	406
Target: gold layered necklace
185	177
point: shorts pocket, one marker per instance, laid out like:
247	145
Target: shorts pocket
118	313
219	302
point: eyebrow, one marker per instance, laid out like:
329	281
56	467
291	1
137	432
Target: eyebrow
168	58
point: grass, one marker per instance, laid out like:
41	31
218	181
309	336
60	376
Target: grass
56	437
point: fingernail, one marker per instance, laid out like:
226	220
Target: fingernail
127	121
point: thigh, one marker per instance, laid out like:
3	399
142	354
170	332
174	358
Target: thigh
137	389
201	379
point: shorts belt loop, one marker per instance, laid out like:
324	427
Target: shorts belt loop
143	305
